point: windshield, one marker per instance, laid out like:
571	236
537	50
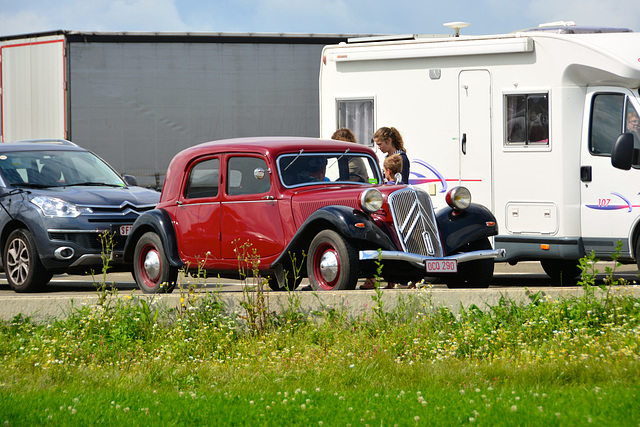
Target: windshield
40	169
318	168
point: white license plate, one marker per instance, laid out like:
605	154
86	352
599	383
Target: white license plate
441	266
125	230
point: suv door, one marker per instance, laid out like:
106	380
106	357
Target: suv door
249	211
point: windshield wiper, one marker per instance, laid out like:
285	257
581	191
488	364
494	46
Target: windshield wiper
30	185
92	183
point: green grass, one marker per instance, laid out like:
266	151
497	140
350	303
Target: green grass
128	361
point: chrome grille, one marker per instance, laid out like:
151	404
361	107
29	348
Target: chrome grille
415	222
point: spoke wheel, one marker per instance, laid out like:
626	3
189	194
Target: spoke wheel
151	268
332	263
23	269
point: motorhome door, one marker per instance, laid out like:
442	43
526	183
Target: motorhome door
474	95
610	203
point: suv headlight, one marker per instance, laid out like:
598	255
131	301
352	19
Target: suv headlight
459	198
54	207
371	200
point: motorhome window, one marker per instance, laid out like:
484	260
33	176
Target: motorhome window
527	119
607	117
632	125
357	115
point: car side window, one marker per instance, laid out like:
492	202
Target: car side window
203	179
247	175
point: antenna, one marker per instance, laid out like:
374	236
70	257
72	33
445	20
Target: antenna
457	26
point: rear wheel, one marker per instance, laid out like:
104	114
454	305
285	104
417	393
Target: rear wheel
151	268
561	269
332	263
22	266
473	274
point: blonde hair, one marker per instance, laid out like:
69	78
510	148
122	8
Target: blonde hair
393	163
392	134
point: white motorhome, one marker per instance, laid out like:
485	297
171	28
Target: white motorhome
526	121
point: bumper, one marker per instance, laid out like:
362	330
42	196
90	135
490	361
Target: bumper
419	260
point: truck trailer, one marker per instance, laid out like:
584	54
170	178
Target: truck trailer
136	99
527	121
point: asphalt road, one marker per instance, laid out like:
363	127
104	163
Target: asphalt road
524	274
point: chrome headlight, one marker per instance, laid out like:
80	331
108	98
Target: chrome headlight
54	207
371	200
459	198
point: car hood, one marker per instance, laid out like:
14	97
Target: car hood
101	196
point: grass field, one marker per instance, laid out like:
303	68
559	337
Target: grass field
125	361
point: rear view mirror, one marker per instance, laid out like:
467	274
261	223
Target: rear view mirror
622	152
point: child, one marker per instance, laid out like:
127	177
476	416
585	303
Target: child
392	165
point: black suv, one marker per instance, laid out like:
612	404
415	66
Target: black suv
61	208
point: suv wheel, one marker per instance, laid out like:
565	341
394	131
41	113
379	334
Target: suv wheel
23	269
332	263
151	268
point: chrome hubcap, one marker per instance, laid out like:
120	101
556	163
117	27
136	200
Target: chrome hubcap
329	266
152	265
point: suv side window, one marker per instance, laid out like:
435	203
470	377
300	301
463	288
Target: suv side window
247	175
203	180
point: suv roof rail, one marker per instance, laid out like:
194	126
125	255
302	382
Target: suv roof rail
46	141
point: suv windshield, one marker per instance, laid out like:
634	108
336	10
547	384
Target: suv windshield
56	169
302	169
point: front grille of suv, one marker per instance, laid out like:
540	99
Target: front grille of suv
415	222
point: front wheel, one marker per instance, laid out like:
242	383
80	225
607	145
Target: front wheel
22	266
151	268
332	263
473	274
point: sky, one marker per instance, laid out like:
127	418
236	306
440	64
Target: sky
309	16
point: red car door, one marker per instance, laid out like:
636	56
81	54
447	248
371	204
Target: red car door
197	213
249	211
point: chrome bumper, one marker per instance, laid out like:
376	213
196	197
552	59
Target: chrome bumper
419	260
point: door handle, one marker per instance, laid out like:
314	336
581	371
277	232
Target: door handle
464	143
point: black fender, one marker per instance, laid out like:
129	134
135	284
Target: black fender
158	221
457	228
343	219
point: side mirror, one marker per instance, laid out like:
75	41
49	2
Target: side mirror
398	178
622	152
131	180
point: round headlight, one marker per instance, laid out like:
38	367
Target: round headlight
371	200
459	198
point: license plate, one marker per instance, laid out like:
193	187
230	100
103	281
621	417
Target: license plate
441	266
125	230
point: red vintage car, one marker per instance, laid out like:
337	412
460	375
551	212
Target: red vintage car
321	201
